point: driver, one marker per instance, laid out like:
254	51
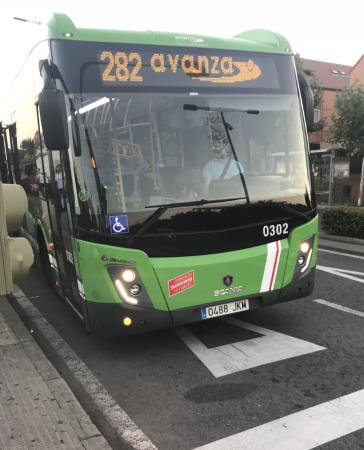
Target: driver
223	166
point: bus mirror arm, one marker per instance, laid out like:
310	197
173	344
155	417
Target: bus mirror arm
307	101
53	116
48	72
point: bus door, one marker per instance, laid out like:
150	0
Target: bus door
56	168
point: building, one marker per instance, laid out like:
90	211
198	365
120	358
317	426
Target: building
357	72
332	78
327	157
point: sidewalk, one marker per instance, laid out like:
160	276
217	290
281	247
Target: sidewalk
341	243
37	408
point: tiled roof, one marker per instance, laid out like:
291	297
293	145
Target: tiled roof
331	75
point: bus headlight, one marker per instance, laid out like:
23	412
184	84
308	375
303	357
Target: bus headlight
304	256
129	286
123	293
301	260
305	247
128	275
135	289
307	263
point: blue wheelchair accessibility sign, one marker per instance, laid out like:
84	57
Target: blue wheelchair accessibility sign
119	224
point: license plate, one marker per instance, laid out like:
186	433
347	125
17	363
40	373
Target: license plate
207	312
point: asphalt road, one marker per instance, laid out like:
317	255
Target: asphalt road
183	397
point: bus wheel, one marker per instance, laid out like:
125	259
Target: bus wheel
44	261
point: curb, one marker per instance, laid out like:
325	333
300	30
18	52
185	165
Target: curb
342	247
345	239
128	433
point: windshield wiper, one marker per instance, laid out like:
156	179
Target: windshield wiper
162	208
289	209
200	202
189	107
227	128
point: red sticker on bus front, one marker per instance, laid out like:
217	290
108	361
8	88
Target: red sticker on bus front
181	283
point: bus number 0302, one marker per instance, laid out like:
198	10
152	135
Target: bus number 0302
275	230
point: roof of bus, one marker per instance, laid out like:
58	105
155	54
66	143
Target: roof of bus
61	26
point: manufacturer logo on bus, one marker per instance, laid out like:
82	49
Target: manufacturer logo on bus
227	280
192	39
228	291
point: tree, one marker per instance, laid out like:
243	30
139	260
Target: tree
348	124
317	98
28	144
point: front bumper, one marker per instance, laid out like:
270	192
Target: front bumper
106	319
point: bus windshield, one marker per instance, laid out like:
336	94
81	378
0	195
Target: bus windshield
219	132
139	150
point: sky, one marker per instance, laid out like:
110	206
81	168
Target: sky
329	31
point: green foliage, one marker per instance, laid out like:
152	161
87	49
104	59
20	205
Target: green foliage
344	221
28	144
318	125
348	119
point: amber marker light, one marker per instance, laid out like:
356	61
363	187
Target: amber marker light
127	321
93	163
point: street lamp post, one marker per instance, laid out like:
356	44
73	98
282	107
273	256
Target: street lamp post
332	175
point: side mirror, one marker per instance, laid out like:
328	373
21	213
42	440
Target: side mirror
307	101
53	116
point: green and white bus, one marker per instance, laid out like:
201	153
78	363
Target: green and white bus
168	175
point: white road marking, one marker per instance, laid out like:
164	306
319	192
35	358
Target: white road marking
339	253
302	430
339	307
341	273
353	272
243	355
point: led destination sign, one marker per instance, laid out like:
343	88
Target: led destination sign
112	67
128	67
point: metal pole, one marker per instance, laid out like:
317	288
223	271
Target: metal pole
3	165
331	179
